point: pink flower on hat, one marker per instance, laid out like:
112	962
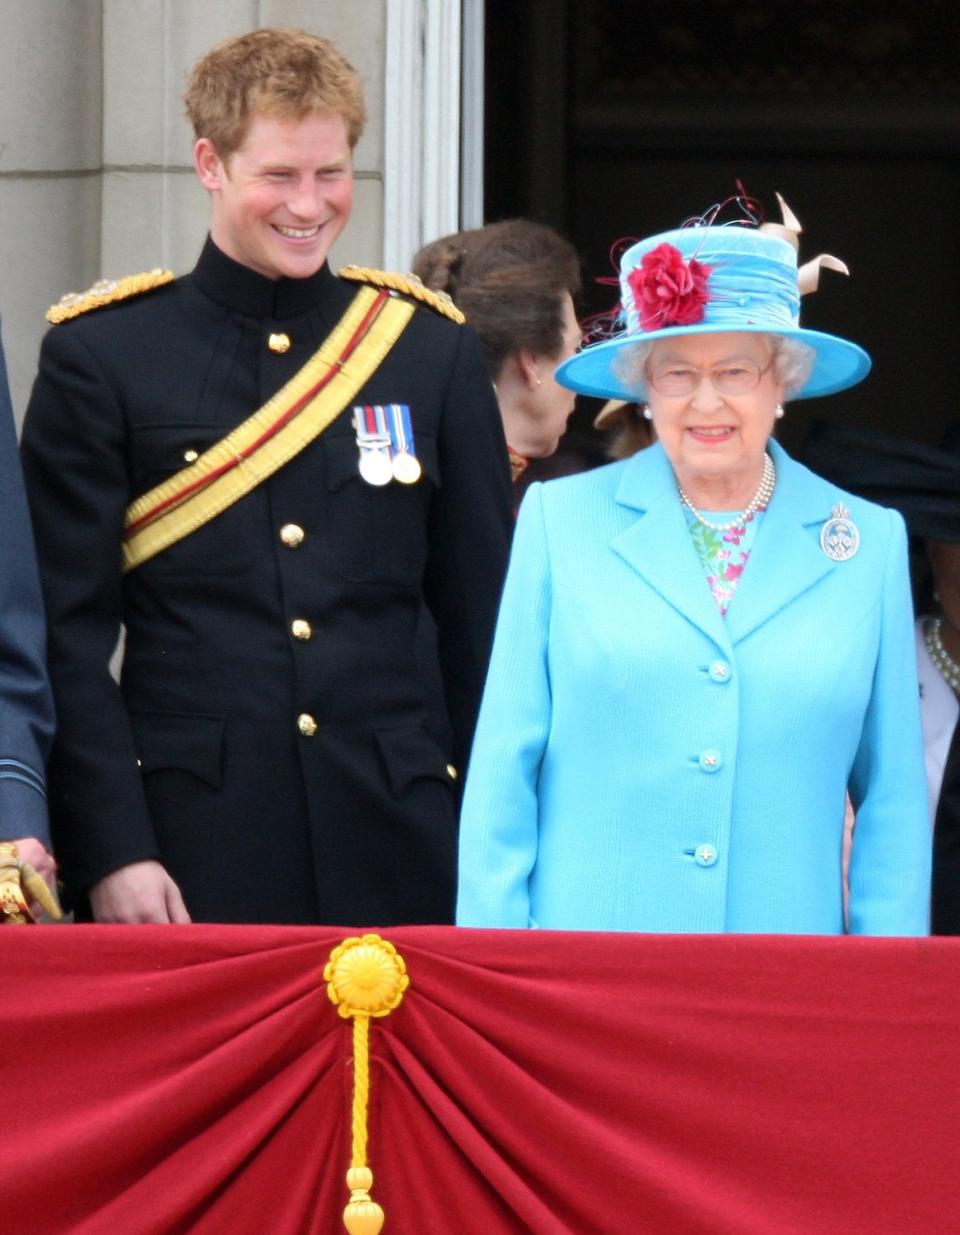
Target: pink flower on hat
667	290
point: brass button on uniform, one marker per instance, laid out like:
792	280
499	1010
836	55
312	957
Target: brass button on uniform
452	771
306	724
291	535
301	629
279	343
190	456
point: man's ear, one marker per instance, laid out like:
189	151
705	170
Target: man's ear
210	167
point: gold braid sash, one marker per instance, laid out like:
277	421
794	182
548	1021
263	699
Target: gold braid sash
297	414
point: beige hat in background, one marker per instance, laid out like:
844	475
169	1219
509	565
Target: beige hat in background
609	414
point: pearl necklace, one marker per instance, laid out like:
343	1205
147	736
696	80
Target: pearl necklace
760	498
949	669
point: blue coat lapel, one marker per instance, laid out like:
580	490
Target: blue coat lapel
657	544
786	559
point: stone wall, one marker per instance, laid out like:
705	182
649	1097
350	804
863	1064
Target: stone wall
96	170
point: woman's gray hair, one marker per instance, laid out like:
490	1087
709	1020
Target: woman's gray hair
793	362
630	368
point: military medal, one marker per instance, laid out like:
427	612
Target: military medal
375	468
405	464
840	536
373	443
406	468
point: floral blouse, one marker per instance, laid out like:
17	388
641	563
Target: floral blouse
723	555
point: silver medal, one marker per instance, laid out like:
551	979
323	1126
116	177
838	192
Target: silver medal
375	467
373	446
840	536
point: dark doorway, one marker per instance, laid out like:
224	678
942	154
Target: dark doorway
611	119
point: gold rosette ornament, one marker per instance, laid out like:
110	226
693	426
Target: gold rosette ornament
366	977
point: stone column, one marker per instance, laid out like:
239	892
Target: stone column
50	103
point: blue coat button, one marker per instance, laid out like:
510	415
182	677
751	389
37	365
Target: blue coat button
705	855
711	761
719	671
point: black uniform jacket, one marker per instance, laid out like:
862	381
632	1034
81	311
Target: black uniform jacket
203	756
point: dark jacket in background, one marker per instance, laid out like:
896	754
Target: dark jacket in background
26	706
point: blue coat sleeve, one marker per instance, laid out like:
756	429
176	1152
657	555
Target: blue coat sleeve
890	861
498	834
26	707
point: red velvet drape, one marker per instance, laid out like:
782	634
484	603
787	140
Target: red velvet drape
197	1079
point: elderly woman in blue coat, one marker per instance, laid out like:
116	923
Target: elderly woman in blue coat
704	648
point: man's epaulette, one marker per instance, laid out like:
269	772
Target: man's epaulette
407	285
106	291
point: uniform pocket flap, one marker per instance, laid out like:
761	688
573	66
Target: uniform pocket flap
342	459
160	450
409	754
182	740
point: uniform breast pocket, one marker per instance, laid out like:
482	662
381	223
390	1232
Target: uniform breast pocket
377	533
182	742
222	545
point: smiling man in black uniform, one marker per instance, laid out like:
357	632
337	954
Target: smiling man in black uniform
263	470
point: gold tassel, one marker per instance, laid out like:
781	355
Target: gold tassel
15	877
366	977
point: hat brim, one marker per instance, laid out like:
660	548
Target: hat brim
839	364
610	414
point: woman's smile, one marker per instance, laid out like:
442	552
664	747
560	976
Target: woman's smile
711	433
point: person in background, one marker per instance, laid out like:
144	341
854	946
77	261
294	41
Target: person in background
627	427
515	281
26	705
701	648
923	483
264	471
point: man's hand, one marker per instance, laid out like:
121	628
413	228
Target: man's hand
30	850
38	878
140	892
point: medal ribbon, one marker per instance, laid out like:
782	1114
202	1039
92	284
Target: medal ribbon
402	428
296	415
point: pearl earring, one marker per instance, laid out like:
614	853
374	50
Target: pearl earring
778	411
647	414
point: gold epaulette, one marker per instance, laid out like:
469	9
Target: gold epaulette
106	291
408	285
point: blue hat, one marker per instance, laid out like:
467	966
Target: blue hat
707	279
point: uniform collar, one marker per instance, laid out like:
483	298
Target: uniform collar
243	290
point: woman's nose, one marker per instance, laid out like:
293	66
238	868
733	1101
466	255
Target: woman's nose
705	394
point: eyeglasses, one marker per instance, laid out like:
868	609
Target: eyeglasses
678	380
